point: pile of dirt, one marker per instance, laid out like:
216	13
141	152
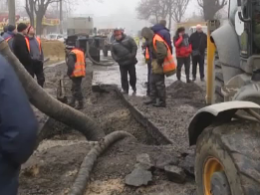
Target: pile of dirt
55	50
54	166
183	101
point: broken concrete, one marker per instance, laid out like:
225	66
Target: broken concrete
175	174
138	177
143	162
164	160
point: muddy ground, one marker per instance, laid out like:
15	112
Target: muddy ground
53	167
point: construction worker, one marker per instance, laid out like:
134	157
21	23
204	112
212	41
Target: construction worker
124	51
21	49
18	128
161	30
36	53
76	63
9	35
162	64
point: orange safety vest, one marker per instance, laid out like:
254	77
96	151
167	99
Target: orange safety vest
80	65
147	56
8	39
28	44
169	66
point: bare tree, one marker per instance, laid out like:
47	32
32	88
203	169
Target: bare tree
211	7
152	10
11	10
178	9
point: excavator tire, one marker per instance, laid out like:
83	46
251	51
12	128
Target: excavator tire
219	81
228	158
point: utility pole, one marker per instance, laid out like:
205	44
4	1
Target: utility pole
11	10
61	18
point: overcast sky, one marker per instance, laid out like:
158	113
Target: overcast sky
118	13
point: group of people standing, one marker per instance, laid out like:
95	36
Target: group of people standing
188	48
27	48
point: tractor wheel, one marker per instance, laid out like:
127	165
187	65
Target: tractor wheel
227	159
219	81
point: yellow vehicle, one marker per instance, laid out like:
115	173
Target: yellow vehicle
227	132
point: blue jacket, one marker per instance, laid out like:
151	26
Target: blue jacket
18	129
8	34
164	33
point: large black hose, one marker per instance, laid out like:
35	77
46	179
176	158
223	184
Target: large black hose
49	105
79	186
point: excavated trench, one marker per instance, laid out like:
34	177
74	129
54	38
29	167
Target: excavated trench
53	167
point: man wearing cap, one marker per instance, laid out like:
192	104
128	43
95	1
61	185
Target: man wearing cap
76	63
198	41
21	49
124	51
36	55
9	35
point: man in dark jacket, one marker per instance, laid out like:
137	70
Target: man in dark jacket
9	35
124	51
36	56
183	51
161	30
198	41
20	48
18	130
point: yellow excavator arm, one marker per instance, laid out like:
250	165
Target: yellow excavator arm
211	50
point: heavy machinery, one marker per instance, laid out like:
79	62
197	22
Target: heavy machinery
227	134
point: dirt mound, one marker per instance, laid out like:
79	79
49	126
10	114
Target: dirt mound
55	50
183	101
182	90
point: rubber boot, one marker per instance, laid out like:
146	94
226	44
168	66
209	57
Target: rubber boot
188	80
80	105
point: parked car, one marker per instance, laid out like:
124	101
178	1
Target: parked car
58	37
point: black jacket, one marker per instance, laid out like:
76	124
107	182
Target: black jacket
198	41
71	60
124	51
21	51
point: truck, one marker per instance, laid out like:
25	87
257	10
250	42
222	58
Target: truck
79	25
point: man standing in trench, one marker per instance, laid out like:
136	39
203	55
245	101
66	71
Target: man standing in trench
76	63
162	62
18	130
124	51
35	49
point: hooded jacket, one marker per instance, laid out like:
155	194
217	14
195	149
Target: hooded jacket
124	51
7	35
164	33
182	45
157	56
18	130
